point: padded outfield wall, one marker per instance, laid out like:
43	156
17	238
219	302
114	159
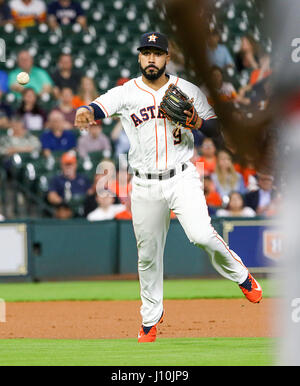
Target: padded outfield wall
40	250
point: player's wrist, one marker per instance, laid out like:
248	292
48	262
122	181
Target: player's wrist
199	123
89	108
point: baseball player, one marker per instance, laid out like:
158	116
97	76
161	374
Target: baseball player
164	178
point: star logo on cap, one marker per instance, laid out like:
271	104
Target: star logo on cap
152	38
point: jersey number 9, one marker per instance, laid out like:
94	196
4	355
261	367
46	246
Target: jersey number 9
177	136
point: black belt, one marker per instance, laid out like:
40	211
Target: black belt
159	176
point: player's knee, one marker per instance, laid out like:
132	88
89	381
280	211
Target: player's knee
147	254
146	261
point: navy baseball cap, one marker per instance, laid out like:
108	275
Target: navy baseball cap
154	39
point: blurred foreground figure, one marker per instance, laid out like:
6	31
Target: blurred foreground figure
289	325
270	139
286	85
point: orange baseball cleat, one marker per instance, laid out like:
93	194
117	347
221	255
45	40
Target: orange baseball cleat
148	334
251	289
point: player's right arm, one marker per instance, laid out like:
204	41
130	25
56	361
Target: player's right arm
102	107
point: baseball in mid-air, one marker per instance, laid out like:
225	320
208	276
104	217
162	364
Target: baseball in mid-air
23	78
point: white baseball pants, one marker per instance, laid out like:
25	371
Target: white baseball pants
151	202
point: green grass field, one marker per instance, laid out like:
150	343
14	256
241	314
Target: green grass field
125	290
126	352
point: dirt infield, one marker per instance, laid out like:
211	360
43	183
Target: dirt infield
121	319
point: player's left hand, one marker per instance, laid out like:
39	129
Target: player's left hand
189	114
179	109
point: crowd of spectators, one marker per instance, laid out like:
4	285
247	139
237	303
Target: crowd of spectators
230	189
251	64
29	13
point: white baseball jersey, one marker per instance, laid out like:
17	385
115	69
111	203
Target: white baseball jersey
153	146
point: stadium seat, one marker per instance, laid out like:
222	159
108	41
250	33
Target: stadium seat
43	183
95	158
9	32
18	164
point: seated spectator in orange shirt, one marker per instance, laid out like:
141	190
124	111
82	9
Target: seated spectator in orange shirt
122	185
87	92
212	197
122	81
117	182
263	71
126	213
28	13
207	157
258	75
249	174
172	215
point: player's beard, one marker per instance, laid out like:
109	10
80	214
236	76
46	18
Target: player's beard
153	75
